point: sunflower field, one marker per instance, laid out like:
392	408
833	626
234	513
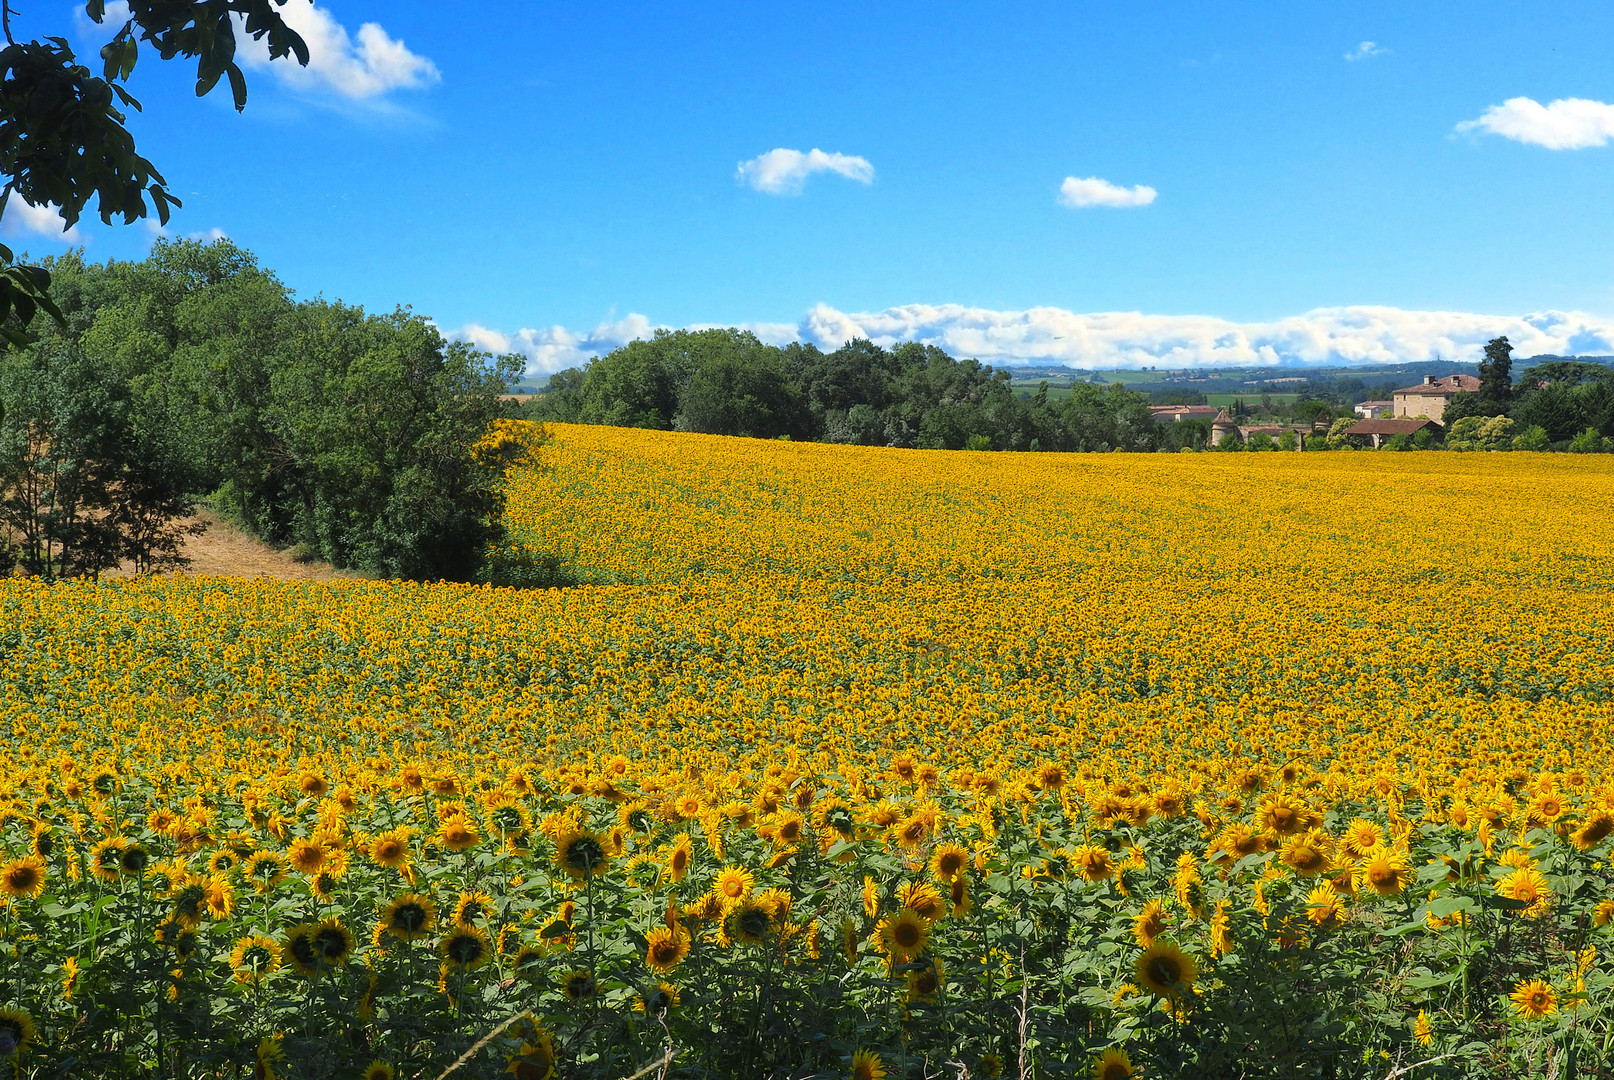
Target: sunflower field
836	761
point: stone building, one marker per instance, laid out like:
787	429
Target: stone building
1430	397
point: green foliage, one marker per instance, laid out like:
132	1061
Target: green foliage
1463	405
1260	440
1496	374
1399	441
1532	438
1288	440
63	138
1480	433
1589	442
310	423
978	442
1337	439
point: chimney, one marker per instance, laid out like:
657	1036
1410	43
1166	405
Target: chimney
1428	380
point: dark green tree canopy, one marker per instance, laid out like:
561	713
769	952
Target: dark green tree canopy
1496	374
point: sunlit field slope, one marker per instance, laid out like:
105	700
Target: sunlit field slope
845	760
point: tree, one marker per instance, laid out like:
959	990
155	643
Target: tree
62	133
1496	375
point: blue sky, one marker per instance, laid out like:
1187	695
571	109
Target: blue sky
556	178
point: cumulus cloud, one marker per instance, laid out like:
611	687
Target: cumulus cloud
783	172
1120	339
1564	124
357	70
1095	192
23	217
1365	50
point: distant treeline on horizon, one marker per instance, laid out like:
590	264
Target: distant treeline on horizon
728	382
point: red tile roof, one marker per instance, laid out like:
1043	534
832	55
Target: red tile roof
1451	384
1388	426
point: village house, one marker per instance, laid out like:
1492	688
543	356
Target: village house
1174	414
1372	410
1223	426
1379	431
1430	397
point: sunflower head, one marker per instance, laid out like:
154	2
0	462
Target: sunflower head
581	854
409	917
1165	970
465	947
16	1031
578	985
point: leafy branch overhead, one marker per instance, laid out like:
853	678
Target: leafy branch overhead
63	133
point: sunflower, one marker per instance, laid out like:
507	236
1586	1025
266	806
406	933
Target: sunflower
679	857
948	861
507	817
665	948
265	869
578	985
1325	906
1235	842
42	840
525	962
1422	1031
902	936
1384	870
16	1031
1092	862
1165	970
1534	999
866	1065
133	859
391	849
921	897
871	897
925	981
409	917
23	877
658	999
1529	887
1598	825
473	906
297	949
1360	837
1285	815
458	833
268	1054
1113	1064
218	897
747	921
222	861
581	854
733	885
1150	923
306	857
106	858
465	947
378	1070
958	895
1309	853
332	942
254	957
534	1059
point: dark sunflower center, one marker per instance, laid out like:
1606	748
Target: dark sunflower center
1165	971
410	917
464	949
584	853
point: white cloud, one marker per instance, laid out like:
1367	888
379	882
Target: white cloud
375	65
24	217
784	172
1564	124
1365	50
1121	339
1095	192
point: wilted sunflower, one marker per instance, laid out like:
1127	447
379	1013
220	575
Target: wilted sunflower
1165	970
1534	999
254	958
465	947
23	877
409	917
581	854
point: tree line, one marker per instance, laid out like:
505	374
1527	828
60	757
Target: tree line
361	438
727	382
1558	404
